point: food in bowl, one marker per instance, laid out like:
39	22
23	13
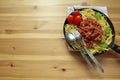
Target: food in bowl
93	27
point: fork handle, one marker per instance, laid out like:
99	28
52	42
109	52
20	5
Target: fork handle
86	59
94	60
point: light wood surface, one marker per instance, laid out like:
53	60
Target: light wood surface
32	45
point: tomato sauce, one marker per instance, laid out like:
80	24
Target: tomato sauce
91	31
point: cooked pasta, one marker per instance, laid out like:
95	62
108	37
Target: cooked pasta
106	37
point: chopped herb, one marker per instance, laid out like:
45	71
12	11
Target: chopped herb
107	30
98	15
103	44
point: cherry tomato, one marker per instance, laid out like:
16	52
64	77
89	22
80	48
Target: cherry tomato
70	19
76	13
77	20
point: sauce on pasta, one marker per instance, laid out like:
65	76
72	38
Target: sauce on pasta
91	31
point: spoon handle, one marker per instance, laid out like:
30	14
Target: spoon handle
86	59
94	60
92	57
84	56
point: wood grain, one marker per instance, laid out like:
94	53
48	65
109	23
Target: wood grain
32	44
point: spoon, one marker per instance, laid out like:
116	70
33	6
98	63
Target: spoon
75	37
71	39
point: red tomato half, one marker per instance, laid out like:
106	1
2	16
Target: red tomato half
76	13
77	20
70	19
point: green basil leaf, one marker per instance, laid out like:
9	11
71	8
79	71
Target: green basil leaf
107	30
103	44
98	15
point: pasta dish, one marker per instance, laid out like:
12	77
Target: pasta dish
93	27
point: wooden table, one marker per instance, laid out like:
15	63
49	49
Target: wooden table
32	45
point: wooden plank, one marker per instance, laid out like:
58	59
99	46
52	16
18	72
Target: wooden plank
58	69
